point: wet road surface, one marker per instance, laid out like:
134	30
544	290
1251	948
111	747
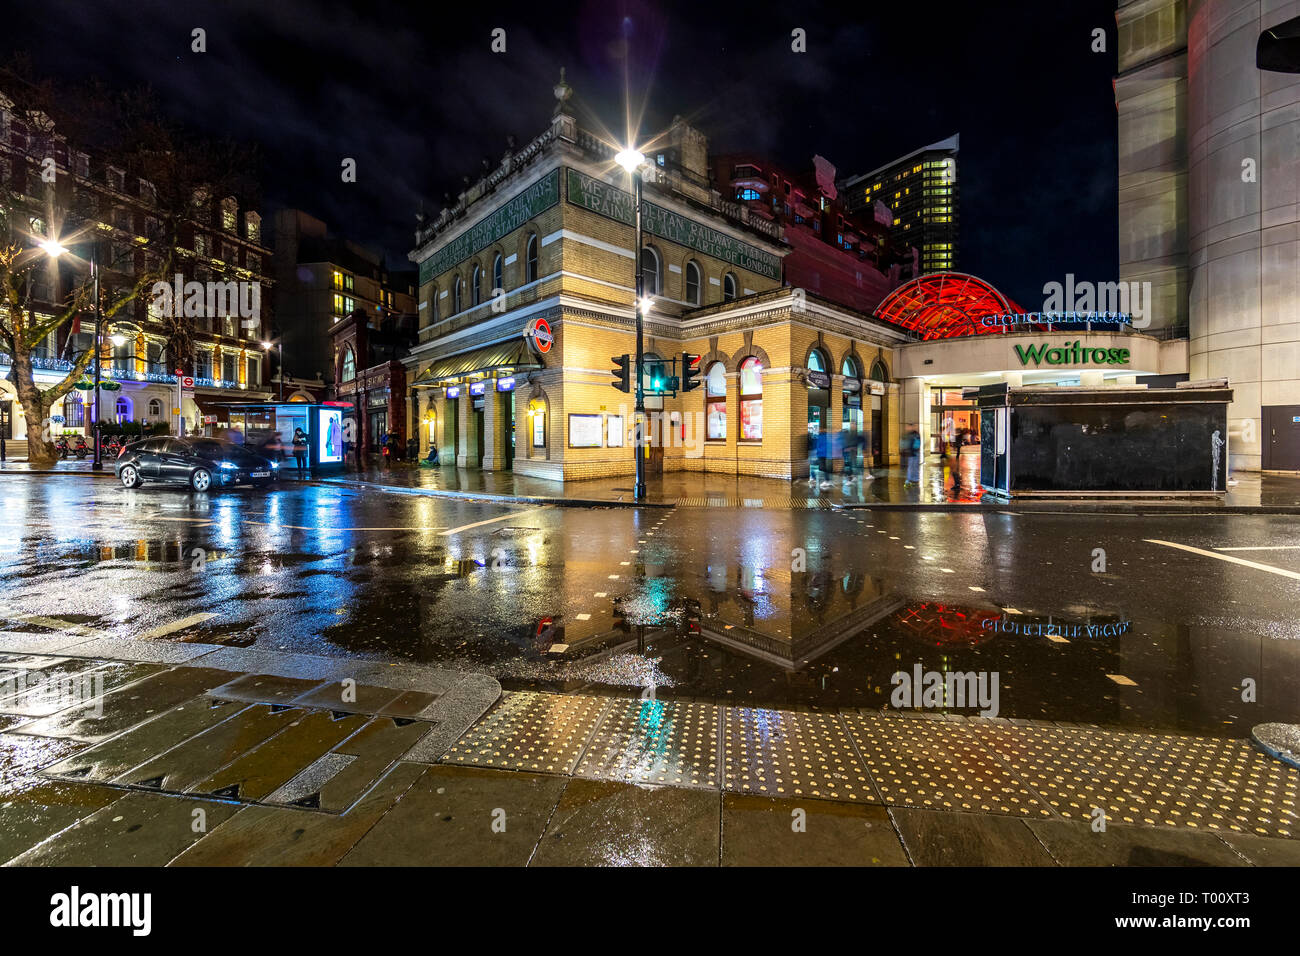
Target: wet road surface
748	606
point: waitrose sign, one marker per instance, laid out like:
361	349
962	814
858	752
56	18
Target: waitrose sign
1075	353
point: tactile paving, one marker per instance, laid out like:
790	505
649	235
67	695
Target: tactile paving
791	754
655	741
530	731
1152	779
936	764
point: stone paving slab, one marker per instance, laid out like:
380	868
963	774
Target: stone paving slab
140	829
760	831
603	823
530	731
118	755
656	742
271	836
922	763
127	706
791	754
180	767
462	816
1077	844
269	765
943	838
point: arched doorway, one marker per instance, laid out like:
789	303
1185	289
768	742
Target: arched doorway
878	380
818	376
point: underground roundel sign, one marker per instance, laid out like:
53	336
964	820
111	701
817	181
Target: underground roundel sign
540	336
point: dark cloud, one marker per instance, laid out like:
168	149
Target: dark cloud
415	95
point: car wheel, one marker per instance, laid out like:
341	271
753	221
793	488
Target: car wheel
201	479
130	476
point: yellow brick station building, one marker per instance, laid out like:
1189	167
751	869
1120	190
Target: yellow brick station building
543	243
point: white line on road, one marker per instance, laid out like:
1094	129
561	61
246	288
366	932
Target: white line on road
1226	557
479	524
299	527
176	625
1267	547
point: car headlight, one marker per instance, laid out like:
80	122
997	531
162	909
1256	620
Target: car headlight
226	464
275	464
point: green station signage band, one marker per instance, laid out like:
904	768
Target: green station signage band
1073	353
616	203
533	201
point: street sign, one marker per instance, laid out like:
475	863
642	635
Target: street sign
539	335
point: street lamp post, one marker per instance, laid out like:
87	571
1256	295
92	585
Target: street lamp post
631	161
97	464
279	351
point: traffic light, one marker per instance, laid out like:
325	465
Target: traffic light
690	372
658	377
622	376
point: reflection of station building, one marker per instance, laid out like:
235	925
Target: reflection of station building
796	306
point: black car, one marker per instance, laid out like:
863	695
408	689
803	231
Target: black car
199	462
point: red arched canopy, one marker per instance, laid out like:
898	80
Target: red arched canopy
944	304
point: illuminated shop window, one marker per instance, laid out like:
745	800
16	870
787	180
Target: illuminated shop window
751	399
715	407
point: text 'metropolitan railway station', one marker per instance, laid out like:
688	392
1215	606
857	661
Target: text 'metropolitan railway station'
526	291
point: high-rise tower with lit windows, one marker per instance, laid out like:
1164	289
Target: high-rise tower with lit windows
920	193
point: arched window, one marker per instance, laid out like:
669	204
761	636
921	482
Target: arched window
817	361
878	373
122	409
850	367
349	370
498	278
693	283
530	256
433	305
728	287
751	399
155	408
650	270
455	295
74	411
476	285
715	402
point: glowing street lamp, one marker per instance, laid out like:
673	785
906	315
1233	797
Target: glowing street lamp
53	248
632	160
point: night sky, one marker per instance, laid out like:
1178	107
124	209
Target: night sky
413	92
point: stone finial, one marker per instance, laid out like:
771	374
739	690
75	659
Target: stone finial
563	91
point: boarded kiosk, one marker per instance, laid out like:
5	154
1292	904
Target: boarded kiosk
1114	441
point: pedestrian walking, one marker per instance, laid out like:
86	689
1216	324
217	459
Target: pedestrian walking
300	451
912	452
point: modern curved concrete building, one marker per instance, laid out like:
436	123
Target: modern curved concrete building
1209	204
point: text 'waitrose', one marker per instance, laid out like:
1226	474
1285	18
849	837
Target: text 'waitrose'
1073	354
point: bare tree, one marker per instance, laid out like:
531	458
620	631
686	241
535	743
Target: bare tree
48	209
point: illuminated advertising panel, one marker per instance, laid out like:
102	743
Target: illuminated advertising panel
329	435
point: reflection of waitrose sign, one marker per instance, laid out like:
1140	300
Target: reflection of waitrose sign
615	203
1074	354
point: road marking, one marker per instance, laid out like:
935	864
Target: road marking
601	594
299	527
1269	547
479	524
583	617
176	625
974	588
1122	680
1226	557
